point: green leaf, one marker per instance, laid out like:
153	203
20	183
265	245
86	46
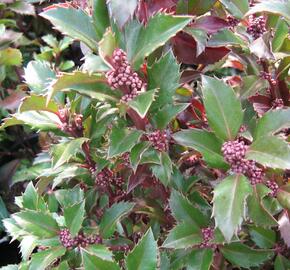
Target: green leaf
144	254
107	46
223	109
205	142
100	17
39	120
122	140
270	151
225	37
165	114
263	238
237	8
41	260
280	35
183	235
36	223
281	8
74	23
74	216
91	262
256	210
184	211
281	263
243	256
163	171
199	7
142	102
10	57
37	103
283	196
122	13
163	75
200	36
3	213
62	153
32	200
69	197
142	41
251	85
271	122
27	245
22	8
37	76
112	215
100	251
93	86
229	203
94	64
200	259
137	152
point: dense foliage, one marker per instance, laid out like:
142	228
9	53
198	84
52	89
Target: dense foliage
165	145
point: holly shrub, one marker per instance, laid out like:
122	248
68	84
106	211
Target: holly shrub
167	146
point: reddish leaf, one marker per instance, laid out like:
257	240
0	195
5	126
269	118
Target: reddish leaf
147	8
61	5
12	101
284	92
284	228
210	24
261	103
184	47
189	76
138	177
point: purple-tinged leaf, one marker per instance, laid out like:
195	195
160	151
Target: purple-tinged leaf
284	227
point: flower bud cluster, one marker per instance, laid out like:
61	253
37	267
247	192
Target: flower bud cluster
106	177
158	139
232	21
207	235
123	77
274	188
268	77
234	153
80	240
72	124
257	26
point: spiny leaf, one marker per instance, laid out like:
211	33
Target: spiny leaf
223	109
244	256
281	8
142	102
62	153
112	216
229	204
74	216
205	142
272	121
144	254
142	41
41	260
271	152
184	211
92	262
122	140
74	23
93	86
183	235
163	75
